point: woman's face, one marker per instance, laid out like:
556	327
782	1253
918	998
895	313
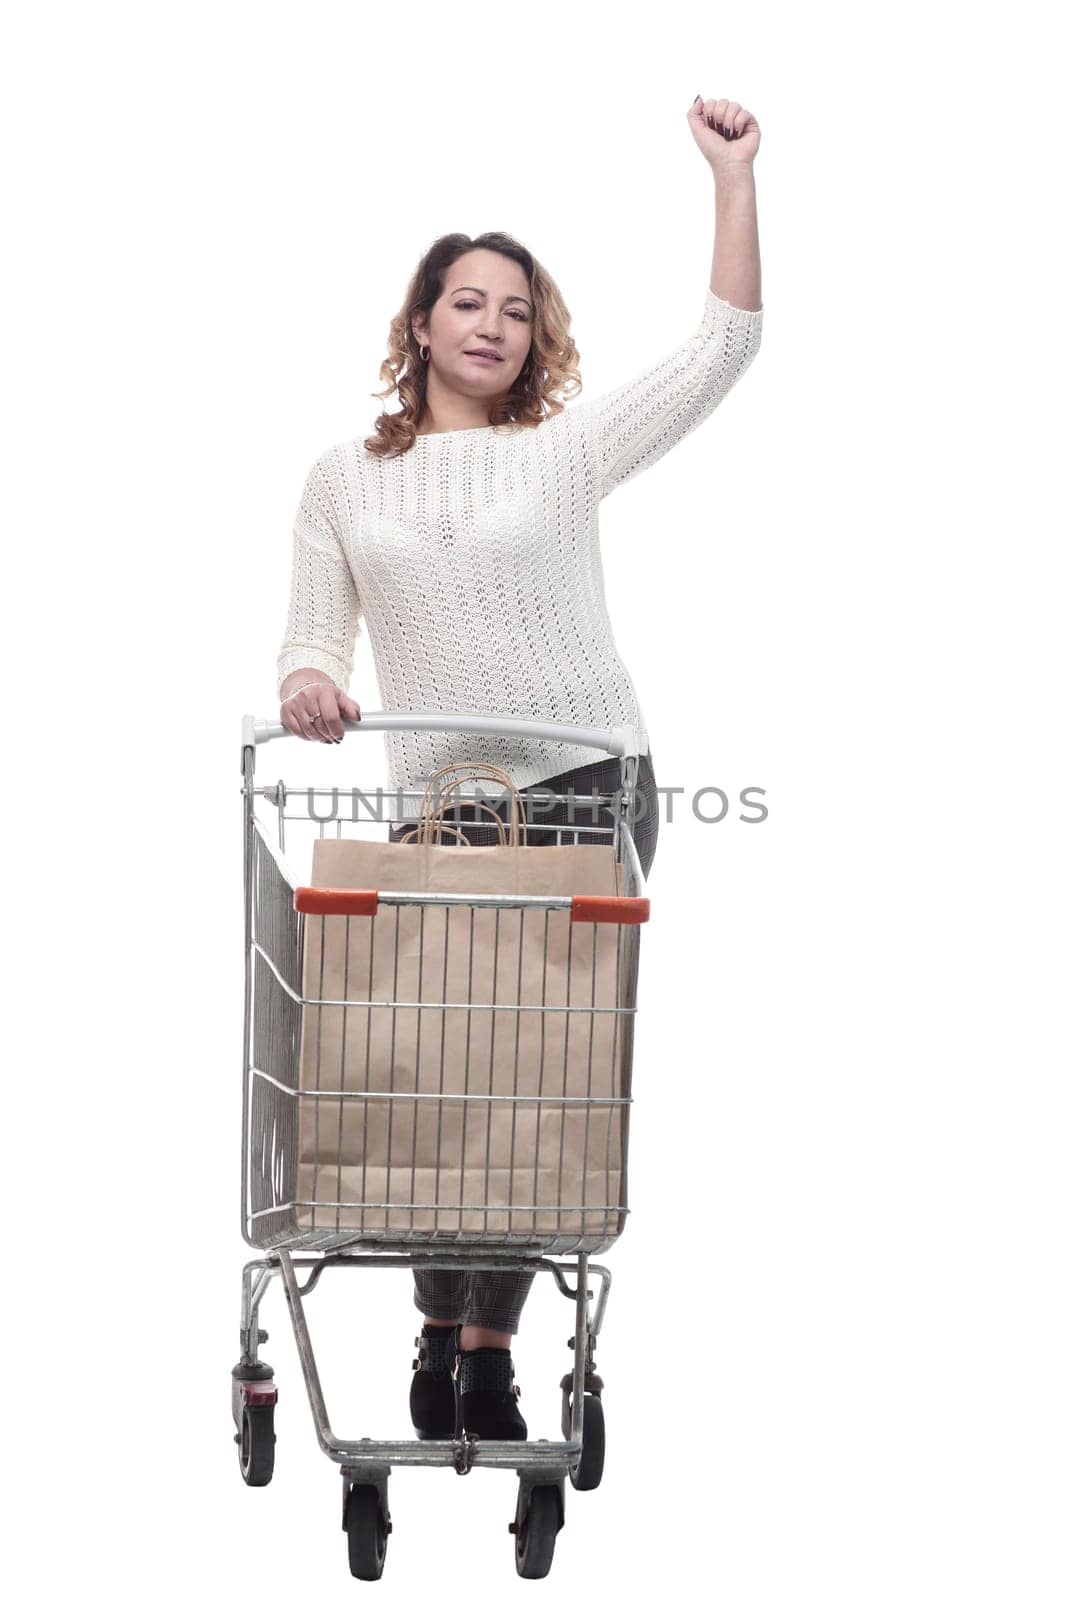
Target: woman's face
485	304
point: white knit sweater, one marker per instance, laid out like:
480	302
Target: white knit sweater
475	560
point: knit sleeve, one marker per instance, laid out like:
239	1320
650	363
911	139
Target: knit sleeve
324	605
634	425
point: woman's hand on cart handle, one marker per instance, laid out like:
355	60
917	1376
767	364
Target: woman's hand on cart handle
314	711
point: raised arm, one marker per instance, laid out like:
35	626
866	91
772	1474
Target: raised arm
635	424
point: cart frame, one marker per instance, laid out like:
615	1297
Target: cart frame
365	1461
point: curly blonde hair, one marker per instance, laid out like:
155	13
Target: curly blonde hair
549	374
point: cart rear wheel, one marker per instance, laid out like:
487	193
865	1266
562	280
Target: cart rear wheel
590	1468
368	1532
255	1445
535	1536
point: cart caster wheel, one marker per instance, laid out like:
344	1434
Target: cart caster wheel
589	1470
255	1445
535	1536
368	1531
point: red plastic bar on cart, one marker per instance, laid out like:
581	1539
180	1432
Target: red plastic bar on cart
337	902
609	908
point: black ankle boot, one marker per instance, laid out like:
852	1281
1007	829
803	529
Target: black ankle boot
433	1388
486	1395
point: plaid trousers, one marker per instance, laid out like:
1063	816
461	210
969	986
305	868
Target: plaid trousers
494	1299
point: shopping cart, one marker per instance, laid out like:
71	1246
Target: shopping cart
276	1009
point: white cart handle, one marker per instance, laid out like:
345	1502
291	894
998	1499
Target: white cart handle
625	740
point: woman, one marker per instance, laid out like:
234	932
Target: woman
465	532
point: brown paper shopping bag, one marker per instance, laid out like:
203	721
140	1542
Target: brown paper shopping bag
460	1011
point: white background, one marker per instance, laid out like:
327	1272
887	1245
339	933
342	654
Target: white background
834	1349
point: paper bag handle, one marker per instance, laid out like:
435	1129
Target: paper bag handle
431	822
